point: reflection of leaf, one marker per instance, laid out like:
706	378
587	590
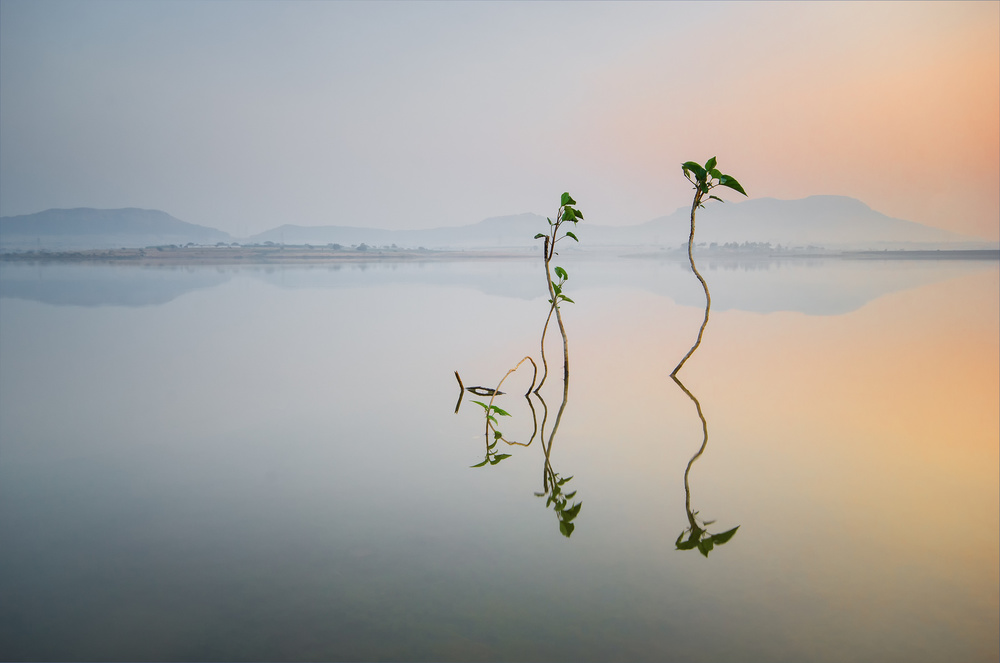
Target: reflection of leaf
566	528
502	413
570	514
719	539
481	464
498	458
705	546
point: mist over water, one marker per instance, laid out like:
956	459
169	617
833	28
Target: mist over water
265	462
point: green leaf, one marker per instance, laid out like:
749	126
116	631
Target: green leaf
480	464
685	545
485	406
715	173
570	514
731	182
540	235
719	539
566	299
498	458
569	234
502	413
710	164
566	200
569	214
561	273
566	528
549	220
716	198
705	546
556	288
569	496
497	435
695	168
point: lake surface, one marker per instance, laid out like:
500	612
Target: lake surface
265	463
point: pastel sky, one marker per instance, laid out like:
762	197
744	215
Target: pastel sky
247	115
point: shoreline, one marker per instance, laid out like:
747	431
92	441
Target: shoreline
303	255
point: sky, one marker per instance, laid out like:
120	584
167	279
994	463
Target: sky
244	116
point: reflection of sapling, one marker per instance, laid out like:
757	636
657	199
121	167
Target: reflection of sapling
704	178
566	212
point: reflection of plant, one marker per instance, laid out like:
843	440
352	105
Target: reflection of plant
700	538
566	212
704	178
493	435
492	457
559	500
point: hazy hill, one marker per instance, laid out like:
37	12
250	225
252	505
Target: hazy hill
496	232
84	227
833	222
829	221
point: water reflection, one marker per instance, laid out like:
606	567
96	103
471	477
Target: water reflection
553	483
697	532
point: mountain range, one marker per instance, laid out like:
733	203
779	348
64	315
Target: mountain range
832	222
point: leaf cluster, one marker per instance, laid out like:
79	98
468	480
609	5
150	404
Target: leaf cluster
560	502
492	457
558	286
700	538
567	213
707	177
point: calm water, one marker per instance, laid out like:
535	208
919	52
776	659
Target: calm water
265	463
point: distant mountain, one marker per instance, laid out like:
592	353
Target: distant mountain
832	222
496	232
87	228
829	221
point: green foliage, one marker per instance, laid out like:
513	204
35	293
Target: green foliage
699	538
560	503
492	457
567	213
707	177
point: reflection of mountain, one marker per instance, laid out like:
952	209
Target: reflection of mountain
822	286
827	286
86	228
104	285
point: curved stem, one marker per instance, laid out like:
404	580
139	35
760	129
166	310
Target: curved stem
704	285
704	443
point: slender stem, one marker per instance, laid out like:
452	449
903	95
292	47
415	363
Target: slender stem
461	392
704	285
704	443
545	328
